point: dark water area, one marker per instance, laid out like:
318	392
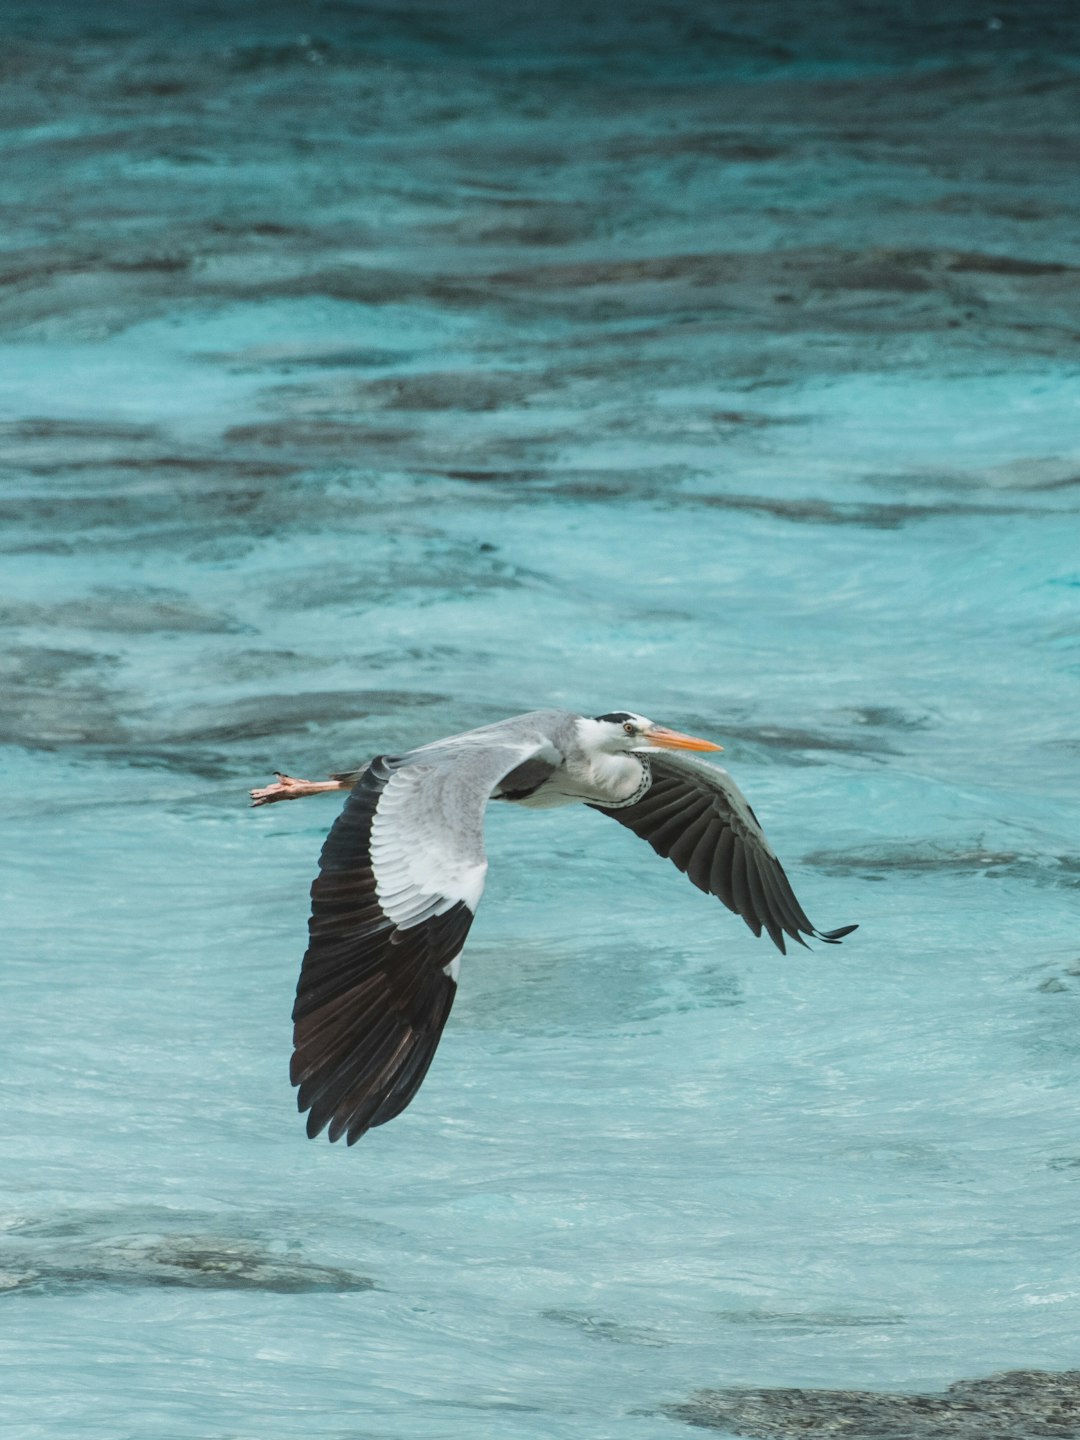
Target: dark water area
405	262
370	372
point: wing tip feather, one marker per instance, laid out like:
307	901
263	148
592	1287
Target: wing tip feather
834	937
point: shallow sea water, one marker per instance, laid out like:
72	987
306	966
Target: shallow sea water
368	373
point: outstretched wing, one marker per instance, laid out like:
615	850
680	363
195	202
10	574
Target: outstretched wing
400	877
694	814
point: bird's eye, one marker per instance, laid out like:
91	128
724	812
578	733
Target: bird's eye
630	729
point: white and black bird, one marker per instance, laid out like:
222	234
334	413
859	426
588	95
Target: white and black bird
402	872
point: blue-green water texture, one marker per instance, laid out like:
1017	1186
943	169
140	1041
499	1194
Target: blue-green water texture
371	372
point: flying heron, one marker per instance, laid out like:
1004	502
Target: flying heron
402	872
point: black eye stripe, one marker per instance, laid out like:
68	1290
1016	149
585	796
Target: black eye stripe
617	717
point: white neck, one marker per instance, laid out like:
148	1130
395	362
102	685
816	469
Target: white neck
608	778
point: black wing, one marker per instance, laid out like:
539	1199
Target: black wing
372	999
400	877
695	815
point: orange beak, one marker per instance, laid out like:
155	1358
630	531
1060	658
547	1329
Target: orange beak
671	740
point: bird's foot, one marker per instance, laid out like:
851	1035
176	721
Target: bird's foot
287	787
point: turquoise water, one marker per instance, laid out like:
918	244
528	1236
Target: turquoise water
366	379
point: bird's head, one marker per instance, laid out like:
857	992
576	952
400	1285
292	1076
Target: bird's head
622	730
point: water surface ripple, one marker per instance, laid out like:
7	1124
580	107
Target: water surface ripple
368	372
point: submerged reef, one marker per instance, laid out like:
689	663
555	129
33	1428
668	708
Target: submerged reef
1014	1405
53	1255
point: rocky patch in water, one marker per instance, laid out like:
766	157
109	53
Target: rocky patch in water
205	1261
1015	1405
935	858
